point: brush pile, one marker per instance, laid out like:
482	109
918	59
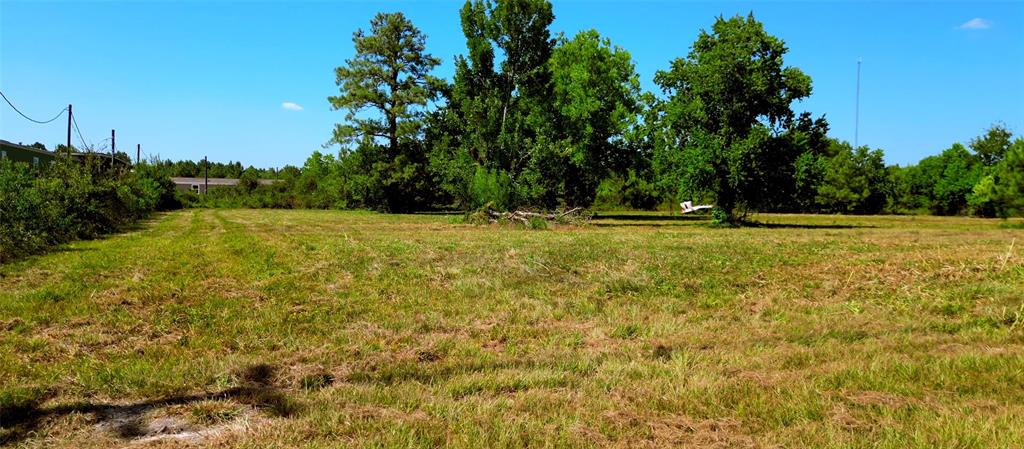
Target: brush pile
531	219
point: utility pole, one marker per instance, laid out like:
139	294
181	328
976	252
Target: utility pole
113	146
138	153
856	116
69	132
206	175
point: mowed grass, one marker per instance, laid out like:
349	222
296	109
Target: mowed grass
345	329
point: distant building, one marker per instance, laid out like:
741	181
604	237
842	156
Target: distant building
198	185
35	156
21	153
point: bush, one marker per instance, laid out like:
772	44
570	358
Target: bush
492	188
45	207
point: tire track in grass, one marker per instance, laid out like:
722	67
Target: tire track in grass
297	303
253	321
89	309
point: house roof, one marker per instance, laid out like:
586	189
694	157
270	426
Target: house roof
7	143
217	181
75	154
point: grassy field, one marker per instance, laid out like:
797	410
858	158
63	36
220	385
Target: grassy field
260	328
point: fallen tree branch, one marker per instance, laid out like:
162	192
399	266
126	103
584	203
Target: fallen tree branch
574	215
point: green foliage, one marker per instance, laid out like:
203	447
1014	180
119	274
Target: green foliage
199	169
492	188
276	196
854	180
719	216
389	76
960	172
596	94
67	201
938	184
633	192
1011	177
985	198
547	121
248	181
1002	192
551	115
319	185
537	223
723	98
992	147
502	110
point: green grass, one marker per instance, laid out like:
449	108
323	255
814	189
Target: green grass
349	329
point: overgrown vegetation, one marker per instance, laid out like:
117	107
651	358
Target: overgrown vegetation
269	328
44	207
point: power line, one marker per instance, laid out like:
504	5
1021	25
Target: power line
62	111
80	138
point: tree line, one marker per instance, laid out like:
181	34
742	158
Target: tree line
539	120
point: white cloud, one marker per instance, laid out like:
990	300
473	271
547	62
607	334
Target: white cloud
291	106
976	23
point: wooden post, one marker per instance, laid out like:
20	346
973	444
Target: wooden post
138	153
113	146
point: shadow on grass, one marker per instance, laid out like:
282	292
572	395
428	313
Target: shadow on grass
647	217
438	212
65	247
645	220
757	224
629	220
21	420
644	225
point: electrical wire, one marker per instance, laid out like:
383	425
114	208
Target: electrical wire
74	121
62	111
79	131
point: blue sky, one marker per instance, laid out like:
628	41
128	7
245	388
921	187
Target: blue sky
187	79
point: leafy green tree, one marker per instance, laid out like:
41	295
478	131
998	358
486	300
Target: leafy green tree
451	166
595	95
985	198
1001	193
389	76
1010	185
385	89
503	107
854	180
320	184
531	120
788	181
991	195
724	100
960	172
922	179
993	145
249	180
940	184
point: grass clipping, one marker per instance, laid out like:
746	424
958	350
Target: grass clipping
531	219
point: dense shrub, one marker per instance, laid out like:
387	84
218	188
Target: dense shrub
44	207
633	192
274	196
